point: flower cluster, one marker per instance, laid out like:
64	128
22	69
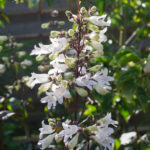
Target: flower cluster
73	68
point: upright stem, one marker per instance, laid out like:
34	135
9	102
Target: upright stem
64	147
76	95
78	49
78	5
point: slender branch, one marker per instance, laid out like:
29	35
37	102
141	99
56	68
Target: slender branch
83	108
64	147
78	5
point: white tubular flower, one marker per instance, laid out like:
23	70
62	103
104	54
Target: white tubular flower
68	132
93	36
103	80
99	48
106	121
128	138
82	70
57	94
102	136
26	62
45	130
103	132
37	79
60	92
102	36
50	99
5	114
87	48
2	68
58	67
60	58
99	20
41	50
45	143
56	46
86	81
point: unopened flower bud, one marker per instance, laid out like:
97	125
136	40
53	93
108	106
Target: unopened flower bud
91	129
52	57
95	68
45	25
21	54
59	77
61	23
51	121
41	68
83	11
71	62
44	87
93	27
65	47
93	9
64	83
40	58
68	14
54	34
71	32
68	75
58	138
82	92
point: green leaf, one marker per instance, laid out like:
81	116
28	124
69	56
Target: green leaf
127	58
124	113
90	109
117	144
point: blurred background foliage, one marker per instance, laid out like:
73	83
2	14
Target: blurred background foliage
127	56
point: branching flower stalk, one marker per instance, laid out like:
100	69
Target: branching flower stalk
73	74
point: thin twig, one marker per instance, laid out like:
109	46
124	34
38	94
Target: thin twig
83	108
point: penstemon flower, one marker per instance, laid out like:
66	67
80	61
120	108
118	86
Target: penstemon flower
72	76
68	132
38	79
100	20
103	132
